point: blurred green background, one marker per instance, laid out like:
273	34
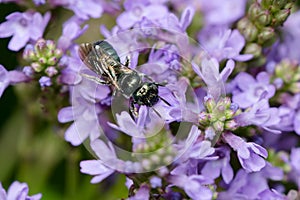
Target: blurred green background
32	147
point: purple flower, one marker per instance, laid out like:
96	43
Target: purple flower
99	168
260	114
71	31
163	63
83	112
294	162
45	81
17	191
289	113
23	27
194	186
82	9
218	12
140	128
136	10
39	2
250	155
4	79
155	182
142	193
180	109
10	77
171	21
252	185
248	91
214	168
209	72
70	75
291	41
223	43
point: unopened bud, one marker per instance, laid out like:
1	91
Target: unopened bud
248	29
254	11
266	3
229	114
52	61
58	53
37	67
51	71
50	44
254	49
230	125
204	118
218	126
264	18
281	16
280	3
42	60
266	34
294	87
40	46
209	104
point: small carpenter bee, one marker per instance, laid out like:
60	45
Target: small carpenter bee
102	58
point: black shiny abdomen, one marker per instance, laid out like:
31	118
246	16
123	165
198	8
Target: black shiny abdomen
129	82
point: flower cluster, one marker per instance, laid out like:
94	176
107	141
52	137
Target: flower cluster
227	92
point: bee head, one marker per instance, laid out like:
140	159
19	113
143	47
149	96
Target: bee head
146	94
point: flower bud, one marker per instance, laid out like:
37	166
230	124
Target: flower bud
266	3
50	44
254	11
29	54
231	125
40	47
204	118
209	104
42	60
51	71
218	126
229	114
266	34
248	29
45	81
28	71
280	3
264	18
289	5
37	66
52	61
281	16
294	87
58	53
254	49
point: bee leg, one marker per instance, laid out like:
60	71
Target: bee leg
147	77
133	110
127	61
165	101
113	76
95	79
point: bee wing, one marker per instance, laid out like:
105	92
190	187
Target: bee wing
90	59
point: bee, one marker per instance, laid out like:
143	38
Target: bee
102	58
